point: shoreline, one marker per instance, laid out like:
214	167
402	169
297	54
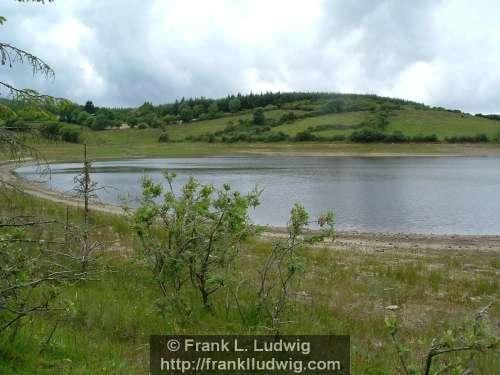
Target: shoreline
265	153
366	241
121	150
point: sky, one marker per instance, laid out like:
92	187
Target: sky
122	53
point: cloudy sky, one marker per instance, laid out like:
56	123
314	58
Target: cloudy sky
124	52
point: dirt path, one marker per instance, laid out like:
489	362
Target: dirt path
371	242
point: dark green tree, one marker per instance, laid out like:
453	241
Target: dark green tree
198	110
186	112
234	105
213	110
258	117
146	108
101	122
89	107
81	117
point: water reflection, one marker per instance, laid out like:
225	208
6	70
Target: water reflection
414	195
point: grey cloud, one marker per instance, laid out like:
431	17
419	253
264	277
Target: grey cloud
122	53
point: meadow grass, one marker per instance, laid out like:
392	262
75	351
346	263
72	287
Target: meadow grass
344	290
410	122
136	143
176	132
348	118
442	123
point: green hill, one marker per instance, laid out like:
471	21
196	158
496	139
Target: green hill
266	118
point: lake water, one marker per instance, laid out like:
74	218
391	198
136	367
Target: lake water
442	195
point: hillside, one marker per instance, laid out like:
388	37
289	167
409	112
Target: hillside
264	118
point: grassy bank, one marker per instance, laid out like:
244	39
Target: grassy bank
344	291
122	144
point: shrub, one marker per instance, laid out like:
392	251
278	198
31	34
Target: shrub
32	278
259	118
50	130
101	122
496	137
7	115
419	138
164	138
201	232
262	129
305	136
478	138
334	106
491	117
276	137
142	125
90	122
18	124
287	118
35	114
396	137
243	137
69	134
285	262
169	119
156	122
367	135
451	353
81	117
336	138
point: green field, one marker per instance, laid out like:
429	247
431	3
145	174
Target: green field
442	123
349	118
144	142
408	121
176	132
181	131
125	143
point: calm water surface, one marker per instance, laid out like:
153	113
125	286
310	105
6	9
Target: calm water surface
443	195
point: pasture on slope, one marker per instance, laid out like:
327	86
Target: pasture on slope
346	119
442	123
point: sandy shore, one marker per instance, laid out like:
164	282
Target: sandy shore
359	240
38	190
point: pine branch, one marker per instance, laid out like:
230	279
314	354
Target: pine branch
11	55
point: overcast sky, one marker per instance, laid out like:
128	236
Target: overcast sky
121	53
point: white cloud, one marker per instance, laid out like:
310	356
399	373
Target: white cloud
417	81
122	53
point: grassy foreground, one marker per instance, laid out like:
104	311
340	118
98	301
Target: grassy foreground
344	291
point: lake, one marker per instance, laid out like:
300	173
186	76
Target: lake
441	195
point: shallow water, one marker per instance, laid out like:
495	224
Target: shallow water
442	195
